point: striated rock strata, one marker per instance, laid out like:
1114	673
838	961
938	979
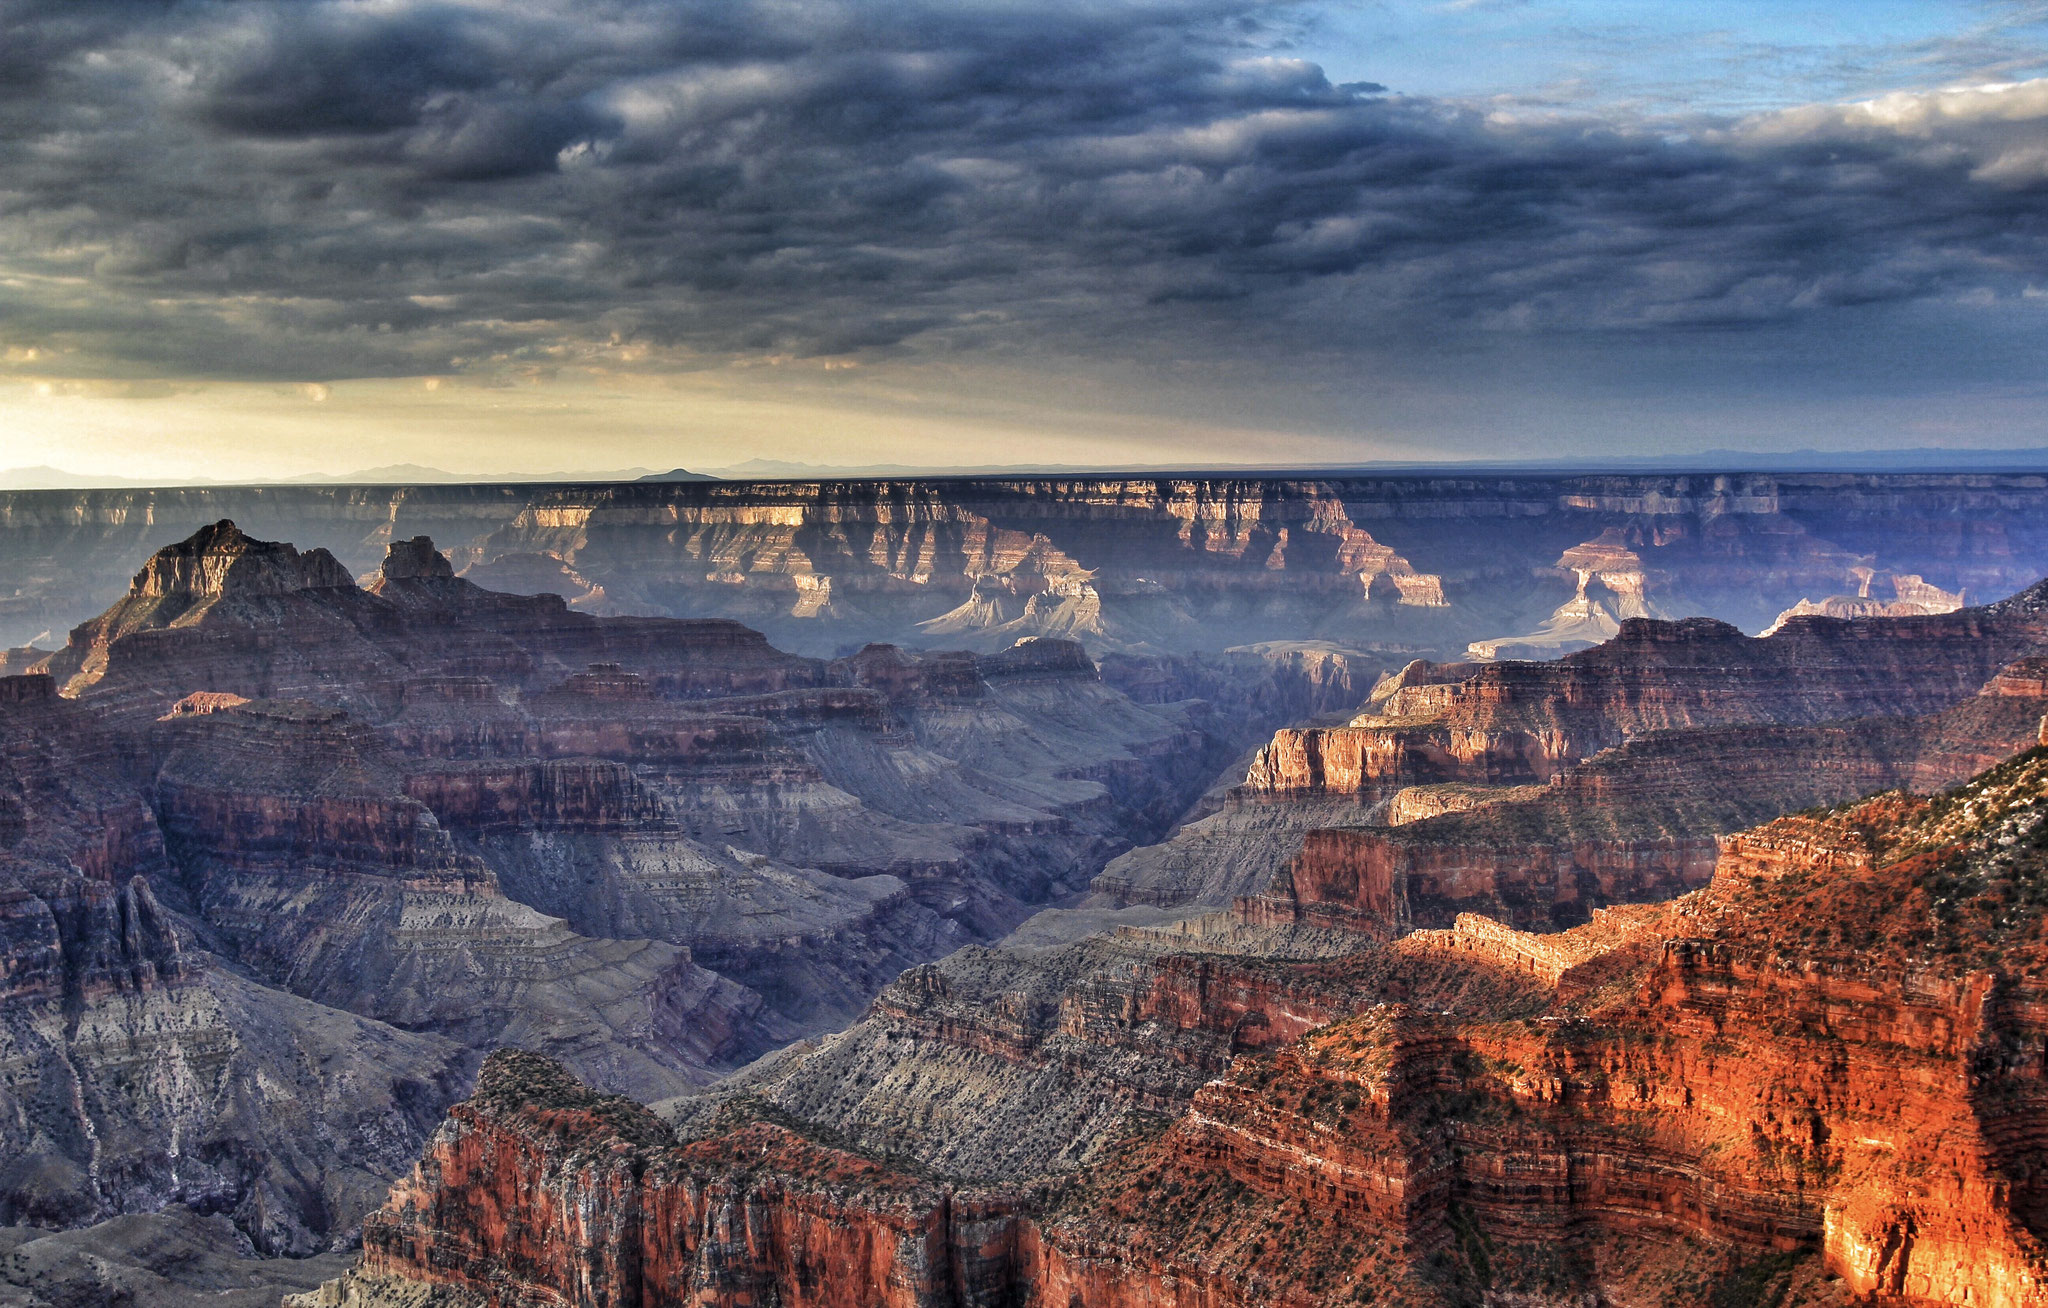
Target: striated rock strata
1818	1077
1171	565
282	855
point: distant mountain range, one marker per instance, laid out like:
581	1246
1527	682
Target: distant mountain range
1919	459
408	474
44	477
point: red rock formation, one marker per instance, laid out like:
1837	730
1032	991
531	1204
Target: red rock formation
1701	752
1838	1046
1520	722
538	1190
1636	823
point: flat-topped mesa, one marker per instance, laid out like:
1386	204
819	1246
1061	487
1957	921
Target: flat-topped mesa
1789	845
905	679
1419	688
1040	657
1546	957
2021	679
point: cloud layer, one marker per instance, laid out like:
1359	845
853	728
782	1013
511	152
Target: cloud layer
305	190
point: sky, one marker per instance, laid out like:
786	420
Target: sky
252	239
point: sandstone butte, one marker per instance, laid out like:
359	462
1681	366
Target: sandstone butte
1820	1078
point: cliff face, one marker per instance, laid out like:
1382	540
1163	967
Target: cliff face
303	850
140	1072
534	1167
1636	823
1172	565
1513	723
1801	1053
1535	791
1827	1061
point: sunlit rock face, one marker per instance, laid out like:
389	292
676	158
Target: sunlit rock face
1800	1057
1820	1074
1609	566
1539	791
1911	595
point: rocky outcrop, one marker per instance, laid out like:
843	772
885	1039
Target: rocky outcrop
1514	723
1533	791
1583	621
256	810
1633	824
442	819
316	860
137	1071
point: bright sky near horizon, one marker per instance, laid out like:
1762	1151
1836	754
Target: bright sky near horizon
253	241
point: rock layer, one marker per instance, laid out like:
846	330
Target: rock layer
1829	1059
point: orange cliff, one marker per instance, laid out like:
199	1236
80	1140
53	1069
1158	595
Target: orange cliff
1838	1045
538	1190
1830	1062
1637	821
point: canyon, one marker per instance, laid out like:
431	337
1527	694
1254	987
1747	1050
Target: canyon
271	837
1069	891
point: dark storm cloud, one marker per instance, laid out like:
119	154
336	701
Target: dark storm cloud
317	188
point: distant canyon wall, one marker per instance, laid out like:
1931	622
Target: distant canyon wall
1423	564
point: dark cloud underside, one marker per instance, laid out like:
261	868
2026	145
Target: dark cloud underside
310	189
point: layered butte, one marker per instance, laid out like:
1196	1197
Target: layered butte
1538	791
